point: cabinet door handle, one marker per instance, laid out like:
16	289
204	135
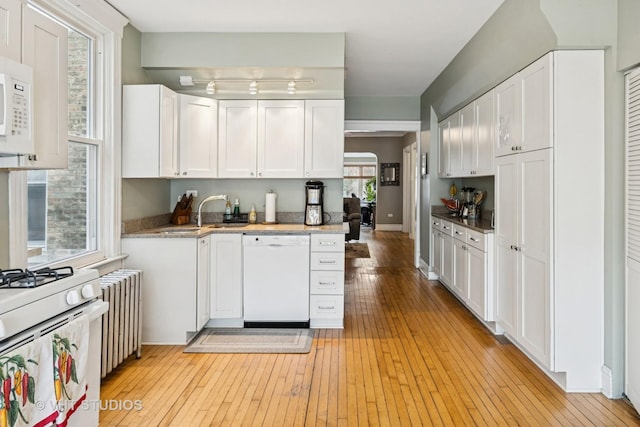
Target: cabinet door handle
327	243
459	233
445	227
333	261
251	174
474	239
327	307
327	283
512	247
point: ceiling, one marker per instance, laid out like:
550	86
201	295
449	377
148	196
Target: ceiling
393	48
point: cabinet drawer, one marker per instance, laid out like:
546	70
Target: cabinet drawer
327	282
460	232
327	261
446	227
476	239
327	243
436	223
326	306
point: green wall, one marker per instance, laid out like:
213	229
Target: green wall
518	33
382	108
140	197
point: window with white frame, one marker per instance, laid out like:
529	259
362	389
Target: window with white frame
69	215
62	204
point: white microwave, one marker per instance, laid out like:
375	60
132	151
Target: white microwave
16	108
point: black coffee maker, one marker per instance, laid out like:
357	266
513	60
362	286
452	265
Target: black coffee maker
314	210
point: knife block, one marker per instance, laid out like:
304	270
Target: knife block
180	216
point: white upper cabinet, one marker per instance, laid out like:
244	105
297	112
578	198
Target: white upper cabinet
43	46
237	138
324	139
535	81
523	109
507	116
455	146
467	140
280	139
149	132
10	29
198	137
482	155
168	135
450	162
443	153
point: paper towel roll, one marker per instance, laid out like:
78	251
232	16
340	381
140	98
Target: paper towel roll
270	207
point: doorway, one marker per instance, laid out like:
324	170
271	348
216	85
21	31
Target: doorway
374	128
360	172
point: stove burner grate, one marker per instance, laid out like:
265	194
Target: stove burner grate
19	279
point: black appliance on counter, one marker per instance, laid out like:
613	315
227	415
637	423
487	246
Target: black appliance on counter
314	210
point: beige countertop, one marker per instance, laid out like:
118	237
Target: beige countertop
192	230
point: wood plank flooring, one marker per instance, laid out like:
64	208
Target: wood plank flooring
410	354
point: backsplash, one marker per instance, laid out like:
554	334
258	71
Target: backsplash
135	225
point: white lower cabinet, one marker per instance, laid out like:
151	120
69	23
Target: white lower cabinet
203	272
226	280
171	270
446	275
465	262
326	301
436	246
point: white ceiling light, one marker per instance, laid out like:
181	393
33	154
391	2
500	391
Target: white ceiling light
211	88
253	88
186	81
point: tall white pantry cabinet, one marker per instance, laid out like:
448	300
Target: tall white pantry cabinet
550	215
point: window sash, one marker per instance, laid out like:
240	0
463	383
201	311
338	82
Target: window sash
105	26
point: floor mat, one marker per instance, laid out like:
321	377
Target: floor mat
356	250
251	340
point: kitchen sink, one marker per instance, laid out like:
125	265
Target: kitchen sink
194	229
226	225
177	230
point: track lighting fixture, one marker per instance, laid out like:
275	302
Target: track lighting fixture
253	88
212	85
211	88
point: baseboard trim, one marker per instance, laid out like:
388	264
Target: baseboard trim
426	270
389	227
607	382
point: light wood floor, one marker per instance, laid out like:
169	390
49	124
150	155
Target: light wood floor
410	354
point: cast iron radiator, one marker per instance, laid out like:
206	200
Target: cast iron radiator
122	324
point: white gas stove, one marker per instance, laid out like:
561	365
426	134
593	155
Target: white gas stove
37	304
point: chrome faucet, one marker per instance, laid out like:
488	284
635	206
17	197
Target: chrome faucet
208	199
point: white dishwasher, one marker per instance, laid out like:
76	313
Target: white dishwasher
276	280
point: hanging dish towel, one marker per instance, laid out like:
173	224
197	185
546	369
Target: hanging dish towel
27	394
70	352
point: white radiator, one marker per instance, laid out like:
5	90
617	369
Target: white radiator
122	324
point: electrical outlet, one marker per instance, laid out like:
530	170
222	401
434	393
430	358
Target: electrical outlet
193	193
390	215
